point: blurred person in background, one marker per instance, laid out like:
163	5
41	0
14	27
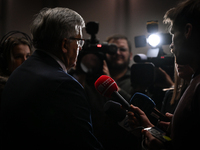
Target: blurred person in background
13	52
117	66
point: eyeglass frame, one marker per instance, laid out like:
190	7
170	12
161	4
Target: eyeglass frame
80	41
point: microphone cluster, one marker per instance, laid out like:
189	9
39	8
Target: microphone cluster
118	108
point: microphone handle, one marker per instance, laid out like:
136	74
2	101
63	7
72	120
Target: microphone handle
158	115
117	97
155	113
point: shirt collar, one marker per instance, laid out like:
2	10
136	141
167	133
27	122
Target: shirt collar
57	60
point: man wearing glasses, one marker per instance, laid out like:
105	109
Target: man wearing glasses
118	64
43	107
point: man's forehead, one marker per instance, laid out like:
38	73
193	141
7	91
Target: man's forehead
78	30
119	41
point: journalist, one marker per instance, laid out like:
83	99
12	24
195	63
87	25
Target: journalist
117	66
43	107
184	25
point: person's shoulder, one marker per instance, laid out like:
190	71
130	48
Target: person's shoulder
69	81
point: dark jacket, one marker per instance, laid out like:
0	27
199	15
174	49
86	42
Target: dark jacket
45	108
185	123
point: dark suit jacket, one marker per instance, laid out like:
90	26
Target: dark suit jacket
43	107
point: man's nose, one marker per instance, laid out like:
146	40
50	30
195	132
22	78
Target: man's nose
118	50
172	47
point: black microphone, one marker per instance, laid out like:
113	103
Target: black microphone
116	112
147	105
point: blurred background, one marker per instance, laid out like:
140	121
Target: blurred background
126	17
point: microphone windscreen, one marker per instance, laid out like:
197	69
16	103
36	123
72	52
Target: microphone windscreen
105	85
114	110
144	102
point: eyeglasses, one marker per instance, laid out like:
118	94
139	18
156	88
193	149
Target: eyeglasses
80	41
122	49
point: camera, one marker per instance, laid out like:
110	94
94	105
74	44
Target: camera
90	59
145	64
148	74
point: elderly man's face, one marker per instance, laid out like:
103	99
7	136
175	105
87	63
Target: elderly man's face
72	50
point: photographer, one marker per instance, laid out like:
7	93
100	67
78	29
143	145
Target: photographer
184	26
118	65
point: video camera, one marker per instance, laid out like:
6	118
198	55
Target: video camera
90	59
144	69
146	74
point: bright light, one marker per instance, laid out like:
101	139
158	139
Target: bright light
153	40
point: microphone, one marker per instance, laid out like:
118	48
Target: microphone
119	114
116	112
107	87
147	105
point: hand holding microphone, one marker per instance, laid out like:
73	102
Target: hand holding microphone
107	87
119	114
147	105
136	117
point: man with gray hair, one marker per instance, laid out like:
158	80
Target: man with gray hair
44	107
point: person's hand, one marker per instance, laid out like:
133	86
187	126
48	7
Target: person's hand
105	69
138	118
165	125
150	142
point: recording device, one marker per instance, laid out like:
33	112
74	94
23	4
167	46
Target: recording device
159	134
119	114
157	61
107	87
116	112
142	75
155	53
95	49
147	105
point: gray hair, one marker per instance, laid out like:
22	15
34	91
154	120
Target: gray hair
52	25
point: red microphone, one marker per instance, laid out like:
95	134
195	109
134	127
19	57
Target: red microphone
107	87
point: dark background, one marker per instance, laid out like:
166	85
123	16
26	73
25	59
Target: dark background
127	17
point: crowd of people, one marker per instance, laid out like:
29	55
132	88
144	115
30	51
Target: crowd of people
48	102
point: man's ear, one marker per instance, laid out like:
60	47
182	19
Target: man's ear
65	44
188	30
